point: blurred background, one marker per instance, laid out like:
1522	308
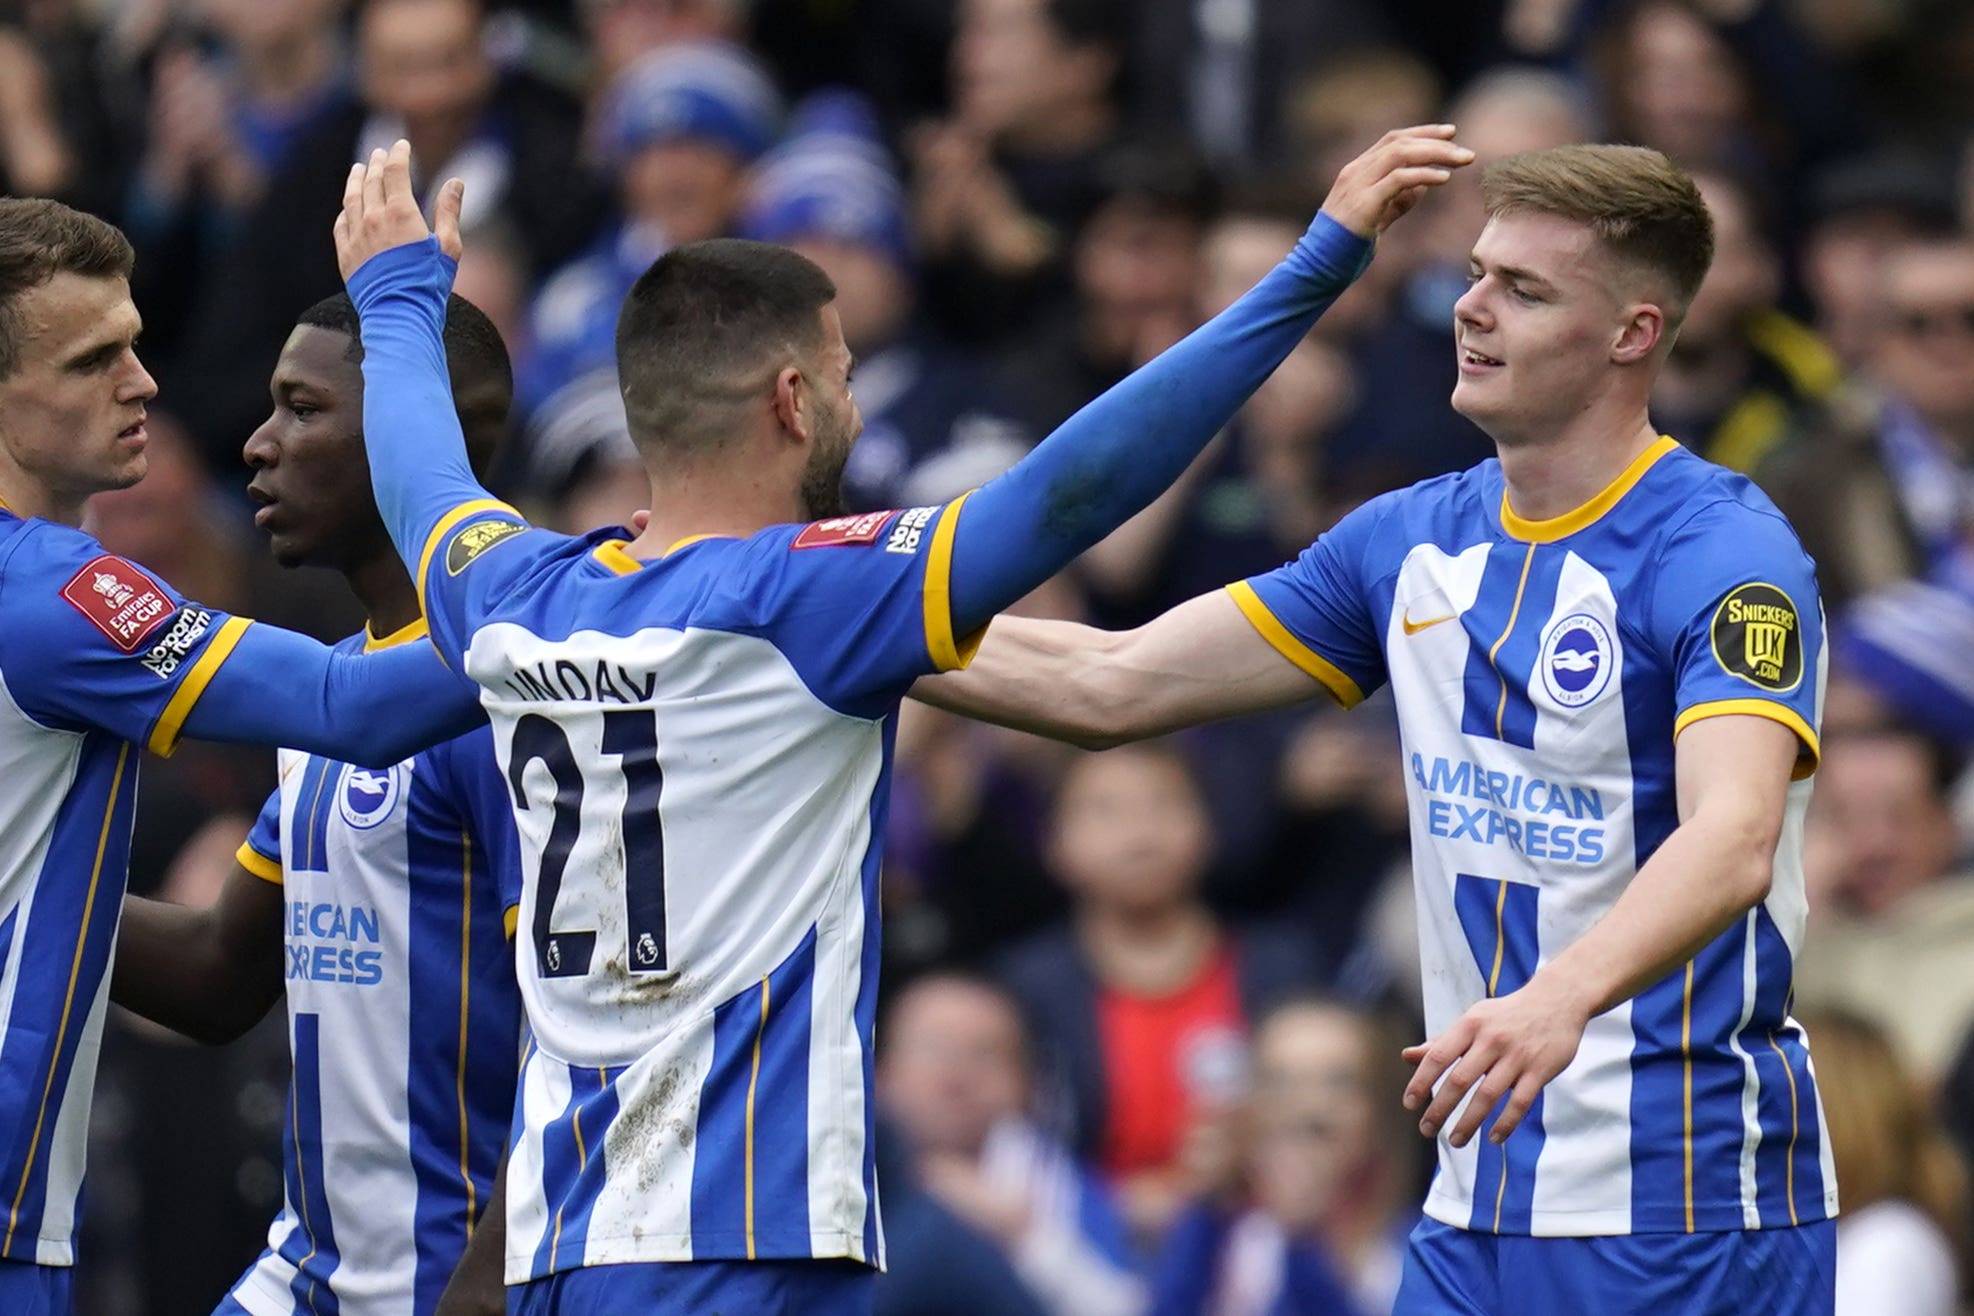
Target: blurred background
1143	1008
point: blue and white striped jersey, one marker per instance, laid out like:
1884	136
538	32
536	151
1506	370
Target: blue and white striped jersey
98	659
404	1019
1542	671
698	750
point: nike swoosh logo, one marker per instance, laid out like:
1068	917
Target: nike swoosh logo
1414	627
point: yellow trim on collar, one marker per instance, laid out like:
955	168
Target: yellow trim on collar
611	554
1559	527
414	630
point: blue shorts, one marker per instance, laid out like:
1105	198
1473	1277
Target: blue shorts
27	1289
701	1288
1757	1272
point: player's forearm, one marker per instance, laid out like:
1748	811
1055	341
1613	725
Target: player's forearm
1048	678
173	968
412	438
1109	460
1707	875
280	688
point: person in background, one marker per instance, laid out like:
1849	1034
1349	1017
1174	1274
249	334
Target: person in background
1004	184
934	426
1885	489
954	1075
1894	918
678	130
424	72
1744	378
1304	1198
1902	1183
229	101
1136	268
1143	999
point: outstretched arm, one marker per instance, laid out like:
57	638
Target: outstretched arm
274	687
1200	661
1118	453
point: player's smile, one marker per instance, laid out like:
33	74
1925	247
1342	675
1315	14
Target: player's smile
1477	363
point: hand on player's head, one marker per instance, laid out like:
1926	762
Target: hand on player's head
380	211
1382	184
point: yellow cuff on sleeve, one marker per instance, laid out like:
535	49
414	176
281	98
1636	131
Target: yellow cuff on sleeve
1341	687
171	722
948	654
446	523
1812	750
511	920
267	870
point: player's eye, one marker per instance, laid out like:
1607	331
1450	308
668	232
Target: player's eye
301	410
1527	298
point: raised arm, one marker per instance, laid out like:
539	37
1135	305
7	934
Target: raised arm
1118	453
398	274
1095	688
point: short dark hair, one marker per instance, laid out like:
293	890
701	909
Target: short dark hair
700	326
475	354
40	239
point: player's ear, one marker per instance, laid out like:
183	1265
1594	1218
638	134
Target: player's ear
1639	335
794	403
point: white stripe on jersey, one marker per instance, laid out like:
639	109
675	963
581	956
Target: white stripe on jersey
766	820
38	765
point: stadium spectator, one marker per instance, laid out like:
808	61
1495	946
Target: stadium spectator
1224	76
933	425
939	1265
678	130
619	33
1892	924
1903	1185
63	122
1142	1000
1744	379
1858	212
424	74
964	875
1005	183
1303	1200
954	1074
1136	269
229	101
1885	489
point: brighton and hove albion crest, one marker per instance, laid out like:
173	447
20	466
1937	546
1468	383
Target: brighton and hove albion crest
367	795
1576	660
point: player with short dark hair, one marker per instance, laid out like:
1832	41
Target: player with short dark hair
98	660
1607	659
380	902
696	727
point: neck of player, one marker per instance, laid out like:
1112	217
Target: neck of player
1549	477
383	587
724	499
27	498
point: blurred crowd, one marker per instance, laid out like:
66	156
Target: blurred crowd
1140	1048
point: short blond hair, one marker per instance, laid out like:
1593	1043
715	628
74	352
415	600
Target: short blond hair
1641	205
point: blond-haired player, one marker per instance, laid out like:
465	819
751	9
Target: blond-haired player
1606	656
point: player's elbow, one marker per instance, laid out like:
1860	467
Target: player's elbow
1746	845
1116	699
